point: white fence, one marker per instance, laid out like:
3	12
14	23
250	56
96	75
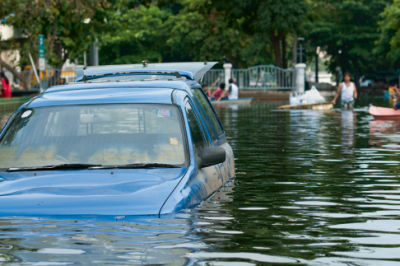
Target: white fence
257	77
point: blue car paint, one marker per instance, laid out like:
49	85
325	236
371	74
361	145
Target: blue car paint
186	189
103	96
198	184
134	85
75	192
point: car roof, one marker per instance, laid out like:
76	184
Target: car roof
124	91
172	84
112	92
108	95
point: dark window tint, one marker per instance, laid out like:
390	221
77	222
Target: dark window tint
207	122
197	136
209	110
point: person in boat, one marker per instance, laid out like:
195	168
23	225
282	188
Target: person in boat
397	93
207	90
393	91
5	86
216	95
232	93
348	92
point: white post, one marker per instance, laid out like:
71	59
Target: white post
300	77
228	69
36	75
84	59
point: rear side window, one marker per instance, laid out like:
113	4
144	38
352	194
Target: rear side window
197	136
205	104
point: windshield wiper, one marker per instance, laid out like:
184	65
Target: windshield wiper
136	166
54	167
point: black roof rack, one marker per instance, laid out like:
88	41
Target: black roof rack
176	73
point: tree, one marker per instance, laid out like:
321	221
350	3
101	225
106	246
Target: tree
141	33
271	20
242	32
388	43
347	30
60	21
181	31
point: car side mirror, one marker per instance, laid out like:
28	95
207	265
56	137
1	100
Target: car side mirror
211	156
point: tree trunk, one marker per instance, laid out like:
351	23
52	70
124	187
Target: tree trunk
294	48
18	75
357	72
277	48
55	79
316	67
283	43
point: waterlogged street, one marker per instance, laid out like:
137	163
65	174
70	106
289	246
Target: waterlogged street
312	187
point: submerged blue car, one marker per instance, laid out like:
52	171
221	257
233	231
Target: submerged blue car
122	140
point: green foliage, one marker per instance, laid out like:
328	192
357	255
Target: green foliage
205	30
133	34
389	41
347	31
60	21
247	33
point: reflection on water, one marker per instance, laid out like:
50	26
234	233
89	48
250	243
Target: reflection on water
312	188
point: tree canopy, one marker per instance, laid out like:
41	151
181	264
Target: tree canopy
356	35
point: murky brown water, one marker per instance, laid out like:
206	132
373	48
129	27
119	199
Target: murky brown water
312	188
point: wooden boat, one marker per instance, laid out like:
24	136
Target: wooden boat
383	113
246	100
315	106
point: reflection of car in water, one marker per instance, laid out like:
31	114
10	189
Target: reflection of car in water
150	145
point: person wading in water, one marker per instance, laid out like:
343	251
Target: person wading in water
348	92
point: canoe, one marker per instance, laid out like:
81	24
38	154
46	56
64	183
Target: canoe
383	113
315	106
246	100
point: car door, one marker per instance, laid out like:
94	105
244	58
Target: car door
209	178
217	133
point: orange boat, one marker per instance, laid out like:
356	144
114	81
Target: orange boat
383	113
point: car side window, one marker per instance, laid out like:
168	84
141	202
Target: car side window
205	104
197	135
206	122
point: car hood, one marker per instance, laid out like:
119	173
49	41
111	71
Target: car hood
74	192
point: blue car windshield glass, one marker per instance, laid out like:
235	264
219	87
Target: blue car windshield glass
113	134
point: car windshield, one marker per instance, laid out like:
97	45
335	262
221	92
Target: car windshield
113	134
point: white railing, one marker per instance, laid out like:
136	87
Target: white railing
257	77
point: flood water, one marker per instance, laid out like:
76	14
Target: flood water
312	188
